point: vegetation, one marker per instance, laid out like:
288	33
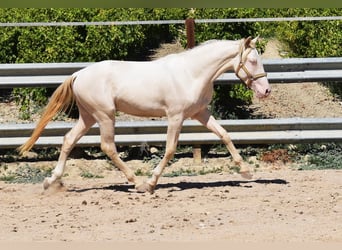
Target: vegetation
299	156
311	38
26	174
79	43
89	175
320	156
135	42
307	156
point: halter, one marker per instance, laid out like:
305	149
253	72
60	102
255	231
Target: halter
250	77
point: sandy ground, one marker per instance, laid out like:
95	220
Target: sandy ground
279	205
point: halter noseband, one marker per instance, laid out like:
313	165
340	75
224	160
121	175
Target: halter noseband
250	77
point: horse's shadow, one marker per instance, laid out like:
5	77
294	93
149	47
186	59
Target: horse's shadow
180	186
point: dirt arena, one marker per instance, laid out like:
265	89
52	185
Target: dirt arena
277	206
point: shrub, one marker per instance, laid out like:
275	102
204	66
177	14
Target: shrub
335	88
29	100
95	43
229	101
75	44
319	156
26	174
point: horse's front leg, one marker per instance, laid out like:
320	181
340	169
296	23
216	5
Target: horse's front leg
173	130
209	121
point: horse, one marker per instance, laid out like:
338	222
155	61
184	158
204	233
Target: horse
178	86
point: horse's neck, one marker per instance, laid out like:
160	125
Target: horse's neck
212	59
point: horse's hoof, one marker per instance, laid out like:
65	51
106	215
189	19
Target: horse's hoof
145	187
46	184
246	174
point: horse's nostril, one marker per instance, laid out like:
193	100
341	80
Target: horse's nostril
268	91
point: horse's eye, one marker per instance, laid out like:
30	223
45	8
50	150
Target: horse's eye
253	60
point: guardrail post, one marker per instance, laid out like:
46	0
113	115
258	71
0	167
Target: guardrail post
197	154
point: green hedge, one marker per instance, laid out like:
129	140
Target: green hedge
313	38
83	43
79	43
96	43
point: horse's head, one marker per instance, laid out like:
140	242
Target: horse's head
250	69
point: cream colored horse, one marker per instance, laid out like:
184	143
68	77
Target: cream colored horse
178	86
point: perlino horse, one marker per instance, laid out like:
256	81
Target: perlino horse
178	86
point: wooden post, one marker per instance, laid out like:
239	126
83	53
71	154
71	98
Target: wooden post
190	32
197	154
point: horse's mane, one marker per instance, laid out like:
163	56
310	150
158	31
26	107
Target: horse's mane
208	42
197	47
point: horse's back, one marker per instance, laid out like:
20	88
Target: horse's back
133	87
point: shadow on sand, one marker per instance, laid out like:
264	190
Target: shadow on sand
180	186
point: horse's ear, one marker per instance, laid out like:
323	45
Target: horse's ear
254	42
248	41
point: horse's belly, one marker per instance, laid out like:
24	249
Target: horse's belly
146	110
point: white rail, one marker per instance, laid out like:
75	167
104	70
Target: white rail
161	22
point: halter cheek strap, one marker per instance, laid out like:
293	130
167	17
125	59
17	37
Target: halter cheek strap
250	77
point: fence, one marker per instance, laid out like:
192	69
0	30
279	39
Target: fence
258	131
264	131
279	71
160	22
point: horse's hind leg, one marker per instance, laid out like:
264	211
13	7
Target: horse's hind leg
83	124
209	121
106	124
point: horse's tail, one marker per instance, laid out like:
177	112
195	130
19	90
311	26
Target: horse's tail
59	102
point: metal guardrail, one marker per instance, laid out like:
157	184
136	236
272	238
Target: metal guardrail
258	131
279	71
154	132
